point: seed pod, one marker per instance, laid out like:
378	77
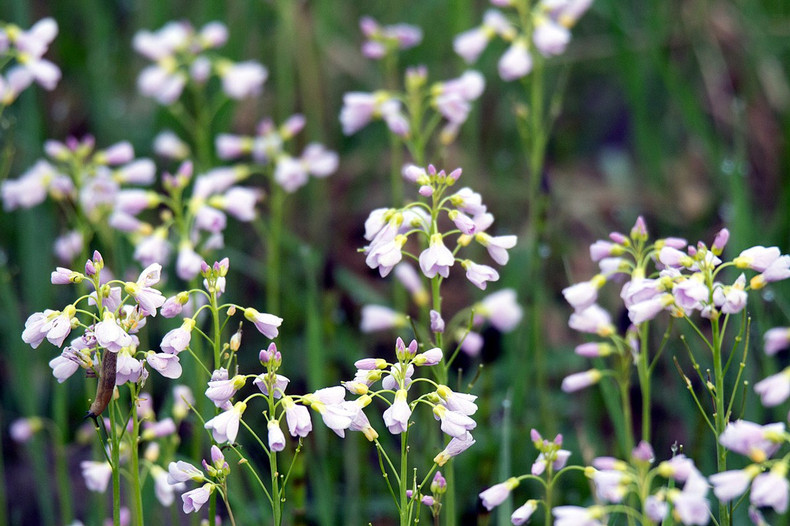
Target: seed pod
106	386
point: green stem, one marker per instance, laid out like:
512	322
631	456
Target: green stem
217	331
115	461
549	490
274	248
276	496
61	465
628	422
137	492
404	478
643	371
720	416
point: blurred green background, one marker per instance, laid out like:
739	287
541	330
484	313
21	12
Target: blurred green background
675	109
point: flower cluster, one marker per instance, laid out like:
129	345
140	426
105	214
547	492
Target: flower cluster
454	410
546	27
122	309
450	100
25	49
388	229
182	55
212	477
383	40
686	279
267	149
766	476
615	479
550	462
198	219
89	179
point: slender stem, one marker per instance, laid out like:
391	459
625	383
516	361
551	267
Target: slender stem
61	464
115	461
217	331
643	371
135	463
549	490
720	416
404	478
628	423
276	496
212	505
274	248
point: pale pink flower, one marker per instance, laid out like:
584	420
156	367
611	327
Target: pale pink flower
638	290
64	365
691	507
276	437
437	322
68	246
516	62
524	512
728	485
297	417
243	79
455	447
774	389
429	357
96	475
757	258
501	309
183	471
221	391
594	320
266	324
148	298
110	335
240	202
280	383
576	516
178	339
496	494
497	246
655	508
396	417
471	43
169	145
187	262
379	318
385	255
459	402
479	275
584	294
468	201
649	309
550	37
453	423
164	491
753	440
771	488
577	381
168	365
153	249
609	485
691	294
128	368
225	426
778	270
329	404
195	499
776	339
